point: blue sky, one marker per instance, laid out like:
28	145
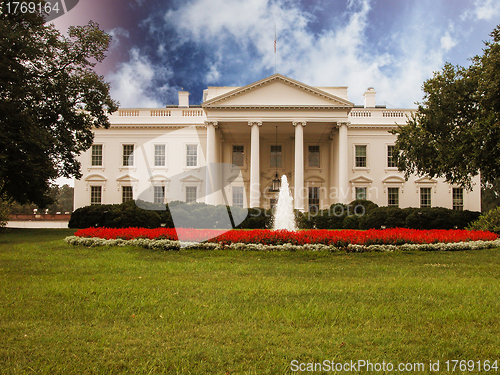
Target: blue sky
160	47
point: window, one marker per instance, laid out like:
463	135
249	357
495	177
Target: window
390	160
360	193
393	197
238	196
425	197
190	194
128	155
313	199
127	194
95	195
458	199
238	155
276	156
96	159
360	156
159	194
191	155
314	156
159	155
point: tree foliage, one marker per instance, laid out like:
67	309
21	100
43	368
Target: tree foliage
62	197
455	133
50	100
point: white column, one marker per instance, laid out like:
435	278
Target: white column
331	168
299	193
254	163
212	178
344	193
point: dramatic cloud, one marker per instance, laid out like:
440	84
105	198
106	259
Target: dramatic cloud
391	45
238	42
116	34
138	83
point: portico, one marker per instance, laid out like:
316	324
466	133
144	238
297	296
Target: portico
306	120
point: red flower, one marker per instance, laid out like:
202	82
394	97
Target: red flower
337	238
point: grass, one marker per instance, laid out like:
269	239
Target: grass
109	310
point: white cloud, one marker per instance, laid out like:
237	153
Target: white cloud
133	84
116	34
447	42
486	9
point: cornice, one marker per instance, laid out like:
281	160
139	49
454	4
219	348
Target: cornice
158	126
272	107
373	126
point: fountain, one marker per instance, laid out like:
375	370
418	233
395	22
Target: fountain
283	216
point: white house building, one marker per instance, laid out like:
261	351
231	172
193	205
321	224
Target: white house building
331	151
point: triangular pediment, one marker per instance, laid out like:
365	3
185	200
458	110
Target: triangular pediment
277	91
190	178
127	178
159	178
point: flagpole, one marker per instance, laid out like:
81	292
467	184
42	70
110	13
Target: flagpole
274	49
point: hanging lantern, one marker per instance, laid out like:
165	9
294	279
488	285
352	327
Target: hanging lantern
276	182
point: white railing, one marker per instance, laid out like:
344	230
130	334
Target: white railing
374	113
128	112
361	114
192	112
161	112
169	112
393	114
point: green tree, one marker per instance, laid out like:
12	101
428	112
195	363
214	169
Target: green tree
50	100
455	133
490	195
61	195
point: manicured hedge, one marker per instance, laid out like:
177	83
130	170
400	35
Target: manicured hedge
114	216
360	214
149	215
367	215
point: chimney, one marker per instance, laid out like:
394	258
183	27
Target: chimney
370	97
183	98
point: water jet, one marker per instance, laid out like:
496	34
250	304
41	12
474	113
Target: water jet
284	217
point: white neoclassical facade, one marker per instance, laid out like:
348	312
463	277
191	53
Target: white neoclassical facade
331	150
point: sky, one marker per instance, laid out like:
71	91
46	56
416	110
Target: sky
160	47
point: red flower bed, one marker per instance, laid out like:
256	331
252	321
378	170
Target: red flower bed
394	236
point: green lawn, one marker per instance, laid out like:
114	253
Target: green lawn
76	310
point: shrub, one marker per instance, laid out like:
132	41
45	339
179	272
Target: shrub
4	213
489	221
257	218
439	218
389	217
351	222
368	206
114	216
151	215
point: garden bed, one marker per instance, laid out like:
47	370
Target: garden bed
344	240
